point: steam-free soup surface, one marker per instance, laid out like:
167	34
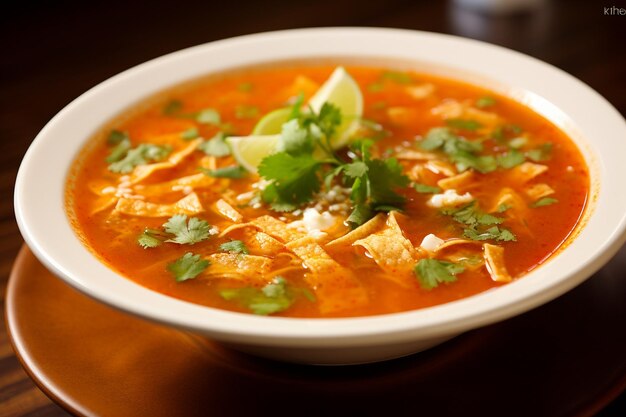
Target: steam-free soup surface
435	191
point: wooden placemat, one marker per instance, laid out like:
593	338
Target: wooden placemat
565	358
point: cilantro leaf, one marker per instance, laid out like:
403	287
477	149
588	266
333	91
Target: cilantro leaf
462	152
187	267
432	272
119	151
140	155
540	154
546	201
471	215
511	159
426	189
235	246
117	136
208	117
294	139
216	146
494	233
360	214
464	124
187	232
149	239
384	177
231	171
272	298
485	101
246	112
294	179
172	107
503	207
355	169
190	134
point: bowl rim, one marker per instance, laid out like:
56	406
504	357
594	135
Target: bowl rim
548	94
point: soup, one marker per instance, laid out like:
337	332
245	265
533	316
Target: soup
315	191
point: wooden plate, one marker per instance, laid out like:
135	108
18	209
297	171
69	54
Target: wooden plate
565	358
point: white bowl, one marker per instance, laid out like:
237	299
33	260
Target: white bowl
589	119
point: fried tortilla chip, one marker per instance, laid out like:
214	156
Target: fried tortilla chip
142	172
336	287
453	109
360	232
188	183
235	265
537	191
527	171
228	211
458	182
393	252
189	205
420	91
494	260
264	244
441	167
270	226
411	155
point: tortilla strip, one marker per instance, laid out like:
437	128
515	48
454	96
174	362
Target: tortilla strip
402	115
421	91
228	211
441	167
516	206
360	232
527	171
494	261
264	244
189	205
454	242
457	182
453	109
537	191
269	225
142	172
179	184
336	287
415	155
232	265
393	252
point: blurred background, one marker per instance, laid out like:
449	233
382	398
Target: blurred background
54	51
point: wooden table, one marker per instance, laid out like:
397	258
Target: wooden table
53	53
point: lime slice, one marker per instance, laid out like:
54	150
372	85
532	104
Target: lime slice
340	89
249	151
272	122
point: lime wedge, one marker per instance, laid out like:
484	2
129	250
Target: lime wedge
249	151
340	89
272	122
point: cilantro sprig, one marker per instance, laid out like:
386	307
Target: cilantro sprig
178	229
432	272
274	297
187	267
123	162
475	223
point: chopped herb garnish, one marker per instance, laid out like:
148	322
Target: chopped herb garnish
272	298
397	77
232	171
119	151
190	134
485	101
462	152
140	155
494	233
502	132
116	137
511	159
246	112
245	87
471	215
518	142
432	272
172	107
426	189
187	267
150	238
235	246
208	117
464	124
546	201
503	207
187	232
216	146
540	154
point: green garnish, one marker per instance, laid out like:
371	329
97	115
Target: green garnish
426	189
475	221
235	246
120	149
493	233
187	267
503	207
462	152
117	136
172	107
546	201
190	134
246	112
464	124
518	142
502	132
272	298
540	154
208	117
232	171
510	159
432	272
177	230
140	155
216	146
187	232
397	77
485	101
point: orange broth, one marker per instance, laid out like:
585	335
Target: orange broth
113	236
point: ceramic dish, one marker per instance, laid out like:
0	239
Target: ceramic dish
571	105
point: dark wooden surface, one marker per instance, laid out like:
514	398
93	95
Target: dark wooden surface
54	51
